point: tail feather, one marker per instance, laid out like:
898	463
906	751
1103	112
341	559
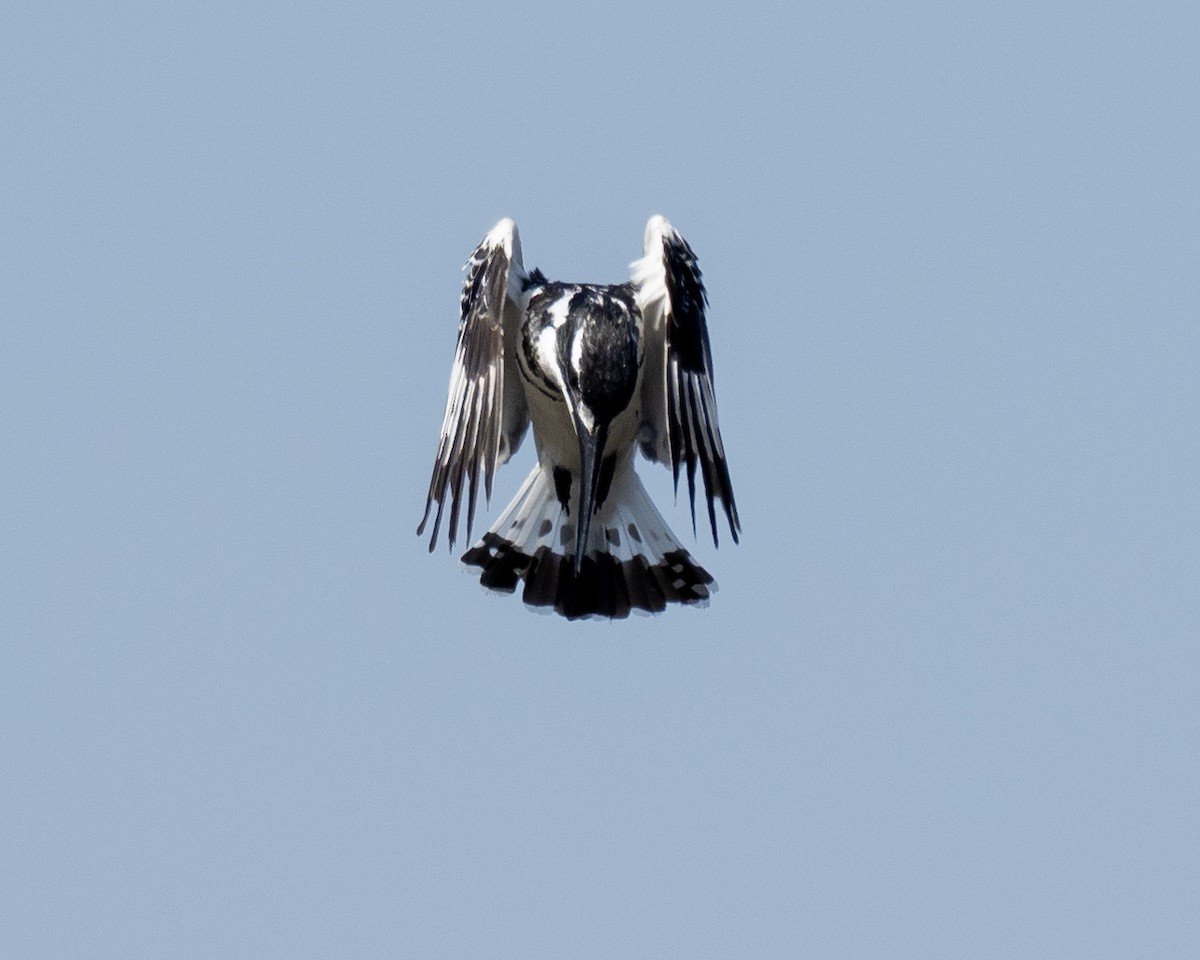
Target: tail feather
632	560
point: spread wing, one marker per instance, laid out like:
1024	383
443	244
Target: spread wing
679	408
486	416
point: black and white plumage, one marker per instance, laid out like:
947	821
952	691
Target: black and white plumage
599	370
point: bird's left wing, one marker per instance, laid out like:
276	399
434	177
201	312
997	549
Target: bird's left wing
486	416
679	407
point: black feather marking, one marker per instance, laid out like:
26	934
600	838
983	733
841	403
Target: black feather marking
604	587
688	331
693	434
562	487
503	567
541	583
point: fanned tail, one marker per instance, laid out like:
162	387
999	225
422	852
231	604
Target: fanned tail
632	561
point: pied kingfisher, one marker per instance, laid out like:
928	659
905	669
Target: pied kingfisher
598	370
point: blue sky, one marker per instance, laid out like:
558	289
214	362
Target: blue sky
944	703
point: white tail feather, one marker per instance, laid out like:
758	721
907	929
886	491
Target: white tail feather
632	562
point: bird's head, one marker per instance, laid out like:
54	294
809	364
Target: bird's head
598	358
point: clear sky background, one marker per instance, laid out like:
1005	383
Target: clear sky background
946	702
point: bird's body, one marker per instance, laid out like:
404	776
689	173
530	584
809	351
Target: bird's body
564	325
598	370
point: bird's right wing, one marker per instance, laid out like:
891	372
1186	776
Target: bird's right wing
486	415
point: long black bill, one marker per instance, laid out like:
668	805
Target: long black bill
591	455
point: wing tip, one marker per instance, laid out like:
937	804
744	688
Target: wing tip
657	227
504	234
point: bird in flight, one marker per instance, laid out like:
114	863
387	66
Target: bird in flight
599	371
